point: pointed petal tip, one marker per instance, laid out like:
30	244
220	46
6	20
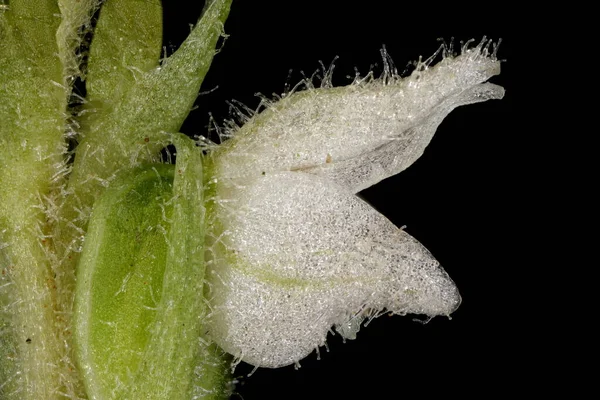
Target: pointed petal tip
451	299
448	298
432	293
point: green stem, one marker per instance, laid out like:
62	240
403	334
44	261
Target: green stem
32	116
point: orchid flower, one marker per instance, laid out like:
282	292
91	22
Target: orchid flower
125	275
292	250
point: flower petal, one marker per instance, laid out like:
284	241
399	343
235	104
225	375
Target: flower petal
295	254
400	151
362	133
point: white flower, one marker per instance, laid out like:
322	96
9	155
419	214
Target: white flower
292	251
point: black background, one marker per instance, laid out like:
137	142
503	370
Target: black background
457	199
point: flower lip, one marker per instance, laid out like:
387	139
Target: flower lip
297	254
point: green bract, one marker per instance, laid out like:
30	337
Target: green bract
138	312
120	277
134	99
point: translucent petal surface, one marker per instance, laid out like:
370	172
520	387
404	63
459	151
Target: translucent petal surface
292	254
397	154
362	133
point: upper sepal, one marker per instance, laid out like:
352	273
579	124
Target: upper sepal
363	133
